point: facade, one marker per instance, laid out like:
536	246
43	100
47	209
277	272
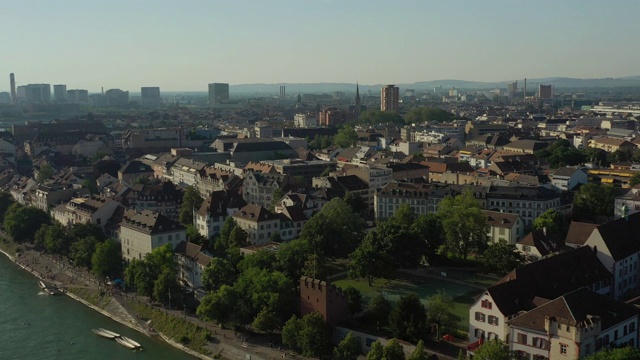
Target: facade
94	210
545	91
37	93
141	232
320	296
258	188
215	210
376	177
307	120
59	93
503	227
134	170
390	197
77	96
116	97
389	98
567	178
574	326
191	262
259	223
612	144
184	172
48	195
150	97
218	93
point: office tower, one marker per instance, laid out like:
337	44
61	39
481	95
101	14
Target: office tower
5	98
38	93
389	97
59	93
77	96
150	97
283	92
12	81
116	97
512	88
545	91
218	93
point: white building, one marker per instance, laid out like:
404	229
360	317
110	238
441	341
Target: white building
191	262
258	222
140	233
307	120
94	210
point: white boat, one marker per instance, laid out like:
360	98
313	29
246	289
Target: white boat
125	343
110	333
100	332
130	341
50	291
42	285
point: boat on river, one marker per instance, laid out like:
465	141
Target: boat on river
125	343
42	285
131	341
105	333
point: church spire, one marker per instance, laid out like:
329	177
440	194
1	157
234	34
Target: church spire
358	96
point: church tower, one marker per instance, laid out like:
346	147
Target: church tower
357	109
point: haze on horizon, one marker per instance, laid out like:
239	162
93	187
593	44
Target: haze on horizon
184	45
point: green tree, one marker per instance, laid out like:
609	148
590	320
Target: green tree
45	173
626	353
106	260
140	275
193	236
379	309
166	288
428	227
418	353
561	153
191	201
500	258
348	348
84	230
494	350
291	257
376	352
464	225
399	239
82	251
635	180
217	273
6	200
552	221
260	288
56	240
408	319
370	260
439	312
315	266
345	137
375	117
393	350
218	305
238	238
354	299
314	337
421	115
356	202
22	222
261	259
221	245
594	202
291	333
266	320
276	196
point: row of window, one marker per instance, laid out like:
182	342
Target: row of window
493	320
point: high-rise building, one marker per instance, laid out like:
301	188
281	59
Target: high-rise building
389	98
59	93
150	97
77	96
12	83
283	92
545	91
218	93
512	88
116	97
38	93
5	98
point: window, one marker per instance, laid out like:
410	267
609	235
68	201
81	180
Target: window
632	327
493	320
486	304
615	335
563	349
605	341
522	338
480	316
540	343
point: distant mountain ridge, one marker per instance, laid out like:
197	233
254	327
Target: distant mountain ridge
329	88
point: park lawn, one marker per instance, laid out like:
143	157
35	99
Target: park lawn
393	289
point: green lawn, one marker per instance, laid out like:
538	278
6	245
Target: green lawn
462	295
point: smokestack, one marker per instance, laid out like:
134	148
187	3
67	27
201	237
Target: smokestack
12	81
102	90
525	89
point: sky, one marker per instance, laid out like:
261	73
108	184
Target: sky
182	45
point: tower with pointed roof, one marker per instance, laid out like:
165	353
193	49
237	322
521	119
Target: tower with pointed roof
357	109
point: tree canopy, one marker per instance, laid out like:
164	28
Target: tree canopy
348	348
106	260
375	117
465	227
22	222
309	335
408	319
500	258
345	137
191	201
421	115
626	353
494	350
561	153
439	312
594	202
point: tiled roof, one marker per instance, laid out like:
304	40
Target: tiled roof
255	213
622	236
149	222
500	219
579	232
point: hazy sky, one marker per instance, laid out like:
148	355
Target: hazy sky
185	44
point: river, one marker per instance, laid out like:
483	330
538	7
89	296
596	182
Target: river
38	326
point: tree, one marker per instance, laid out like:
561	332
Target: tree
22	222
6	200
375	117
418	353
345	137
494	350
191	200
218	305
166	288
356	202
370	261
314	337
238	238
635	180
259	288
354	299
408	319
291	332
217	273
561	153
266	320
84	230
261	259
348	348
439	312
553	222
500	258
315	266
429	228
45	173
398	239
276	196
140	275
335	231
393	350
379	309
376	352
106	260
594	202
82	250
193	236
626	353
464	225
291	257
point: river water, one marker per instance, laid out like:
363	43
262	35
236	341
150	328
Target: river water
37	326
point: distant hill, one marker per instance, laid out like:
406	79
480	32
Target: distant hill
329	88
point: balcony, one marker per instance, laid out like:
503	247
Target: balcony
474	345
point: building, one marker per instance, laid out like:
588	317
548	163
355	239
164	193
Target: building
116	98
390	197
259	223
37	93
574	326
545	91
611	145
305	120
218	93
150	97
190	263
59	93
133	171
82	210
567	178
333	117
258	188
141	232
503	227
48	195
283	92
389	98
324	298
77	96
215	210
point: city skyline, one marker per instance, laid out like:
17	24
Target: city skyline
184	46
